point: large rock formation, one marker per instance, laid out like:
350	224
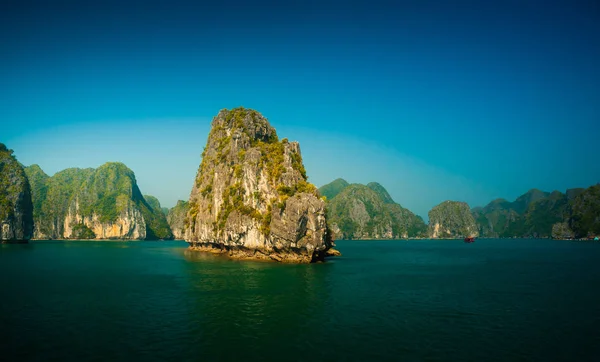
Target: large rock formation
584	213
176	219
16	209
251	198
533	214
368	212
451	219
102	203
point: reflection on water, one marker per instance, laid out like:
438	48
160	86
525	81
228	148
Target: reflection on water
248	303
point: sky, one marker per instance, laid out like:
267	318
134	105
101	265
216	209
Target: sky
435	100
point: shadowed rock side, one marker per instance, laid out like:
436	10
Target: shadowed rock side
102	203
584	213
541	215
251	199
157	226
368	212
451	219
16	208
176	219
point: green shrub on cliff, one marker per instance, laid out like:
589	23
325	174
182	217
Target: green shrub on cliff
82	232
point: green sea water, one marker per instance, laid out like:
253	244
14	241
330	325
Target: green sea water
421	300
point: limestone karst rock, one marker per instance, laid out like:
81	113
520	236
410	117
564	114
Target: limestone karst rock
102	203
16	208
251	198
368	212
176	218
451	219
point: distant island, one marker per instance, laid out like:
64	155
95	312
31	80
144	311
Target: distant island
102	203
359	213
571	215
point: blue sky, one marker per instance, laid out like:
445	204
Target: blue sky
436	100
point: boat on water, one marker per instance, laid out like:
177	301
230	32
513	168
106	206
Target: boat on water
469	240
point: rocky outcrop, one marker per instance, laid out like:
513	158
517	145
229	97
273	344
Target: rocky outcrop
251	199
369	212
102	203
451	219
176	219
16	208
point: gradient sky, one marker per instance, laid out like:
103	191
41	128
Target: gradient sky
436	100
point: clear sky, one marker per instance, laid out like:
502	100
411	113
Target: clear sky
436	100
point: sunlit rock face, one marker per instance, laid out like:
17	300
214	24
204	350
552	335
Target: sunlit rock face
251	198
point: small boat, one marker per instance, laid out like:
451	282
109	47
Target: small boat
469	240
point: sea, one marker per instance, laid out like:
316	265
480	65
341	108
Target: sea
410	300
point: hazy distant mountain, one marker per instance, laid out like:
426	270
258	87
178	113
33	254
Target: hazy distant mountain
540	214
368	212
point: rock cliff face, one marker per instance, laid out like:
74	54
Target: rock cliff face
176	219
451	219
584	213
102	203
368	212
16	208
251	198
532	214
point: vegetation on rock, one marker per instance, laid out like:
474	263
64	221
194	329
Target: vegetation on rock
94	198
245	185
333	188
176	218
368	212
451	219
82	232
157	226
542	214
16	208
584	213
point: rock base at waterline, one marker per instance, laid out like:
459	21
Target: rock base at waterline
241	253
